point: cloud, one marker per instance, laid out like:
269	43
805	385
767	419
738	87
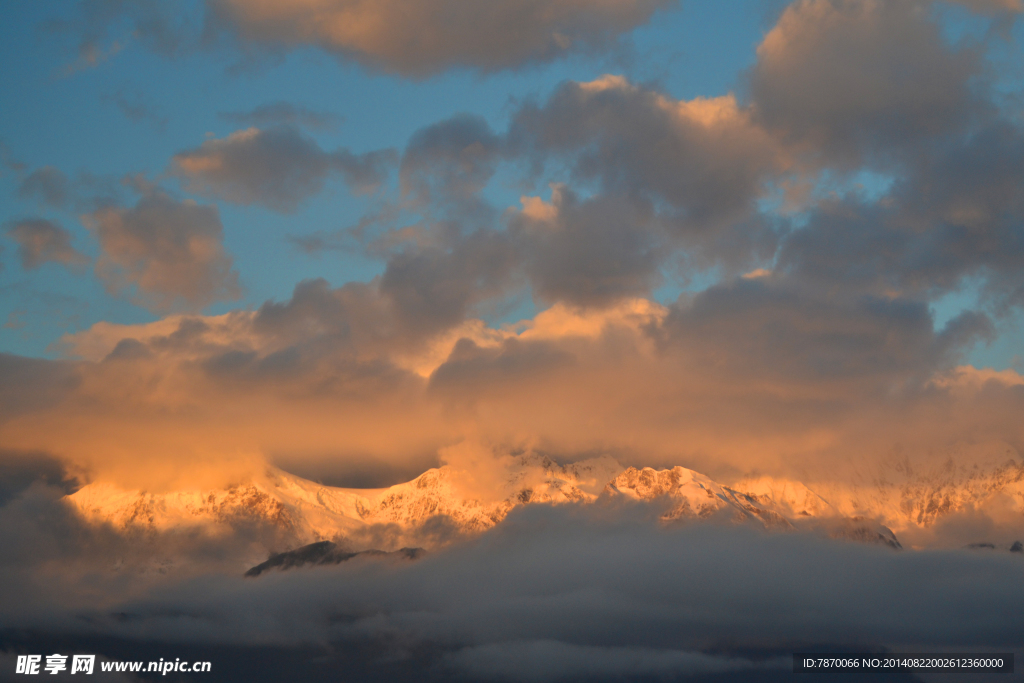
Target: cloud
682	186
18	471
678	182
294	364
283	113
773	333
849	82
418	39
47	184
52	188
33	384
587	252
277	167
956	218
163	27
554	660
41	241
136	109
167	254
434	288
691	172
8	162
751	377
705	158
598	592
450	161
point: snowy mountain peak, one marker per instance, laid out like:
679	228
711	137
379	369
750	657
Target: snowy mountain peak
300	511
693	495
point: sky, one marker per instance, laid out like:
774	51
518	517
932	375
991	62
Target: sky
746	237
132	111
94	95
357	240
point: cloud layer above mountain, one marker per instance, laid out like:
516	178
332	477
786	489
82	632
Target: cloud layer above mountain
812	345
747	377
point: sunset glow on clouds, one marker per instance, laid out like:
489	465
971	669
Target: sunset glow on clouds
356	240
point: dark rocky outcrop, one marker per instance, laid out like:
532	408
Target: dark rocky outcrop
326	552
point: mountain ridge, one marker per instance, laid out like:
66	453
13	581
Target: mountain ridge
305	512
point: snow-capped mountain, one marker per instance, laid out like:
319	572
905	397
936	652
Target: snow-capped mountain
694	495
445	501
767	502
899	497
308	512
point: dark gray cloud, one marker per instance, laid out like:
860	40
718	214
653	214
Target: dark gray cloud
421	38
672	175
588	252
102	27
350	319
283	113
41	241
455	256
470	371
406	38
450	161
849	82
965	210
137	109
680	183
593	593
555	660
7	161
31	384
434	288
958	216
702	164
48	185
167	254
704	158
83	192
277	167
757	328
20	470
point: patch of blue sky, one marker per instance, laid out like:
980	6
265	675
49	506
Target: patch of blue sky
863	184
1002	38
964	298
676	282
1006	53
1005	351
701	49
961	26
